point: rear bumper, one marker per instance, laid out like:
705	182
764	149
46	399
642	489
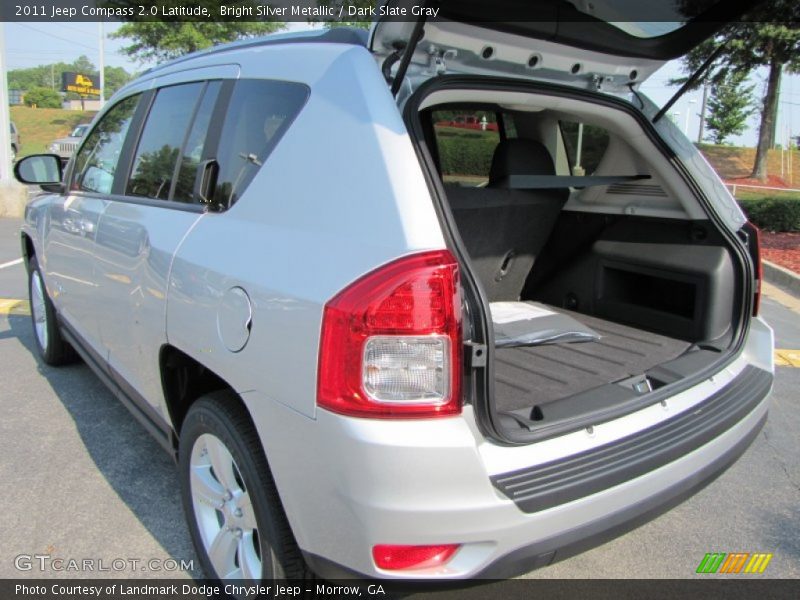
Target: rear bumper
366	482
586	536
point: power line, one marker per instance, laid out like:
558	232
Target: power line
56	36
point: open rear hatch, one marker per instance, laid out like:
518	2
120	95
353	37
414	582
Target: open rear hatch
608	44
664	296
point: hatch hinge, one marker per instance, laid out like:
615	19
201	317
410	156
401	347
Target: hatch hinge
437	60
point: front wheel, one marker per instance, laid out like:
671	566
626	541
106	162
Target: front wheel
234	512
52	347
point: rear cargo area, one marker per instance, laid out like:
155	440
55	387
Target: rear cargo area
528	376
575	213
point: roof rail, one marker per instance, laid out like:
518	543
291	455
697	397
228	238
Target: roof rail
334	35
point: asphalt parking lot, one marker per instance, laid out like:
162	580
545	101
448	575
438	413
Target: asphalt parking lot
81	479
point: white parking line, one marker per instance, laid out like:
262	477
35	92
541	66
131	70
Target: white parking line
11	263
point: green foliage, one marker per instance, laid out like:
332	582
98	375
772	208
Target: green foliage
773	214
465	152
157	40
729	107
768	36
42	97
49	76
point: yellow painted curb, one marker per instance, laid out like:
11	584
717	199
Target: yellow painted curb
12	306
787	358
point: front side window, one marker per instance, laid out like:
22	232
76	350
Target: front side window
96	163
161	141
258	114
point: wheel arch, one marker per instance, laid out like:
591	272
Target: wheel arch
28	249
184	380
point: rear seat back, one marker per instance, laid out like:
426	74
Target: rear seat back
505	229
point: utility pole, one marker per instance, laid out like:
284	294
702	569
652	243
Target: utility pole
5	127
702	130
102	67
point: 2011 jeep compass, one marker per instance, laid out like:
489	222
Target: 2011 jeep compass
381	344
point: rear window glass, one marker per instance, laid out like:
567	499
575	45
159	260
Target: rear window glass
466	140
585	146
258	114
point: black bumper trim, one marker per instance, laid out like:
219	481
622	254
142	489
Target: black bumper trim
545	486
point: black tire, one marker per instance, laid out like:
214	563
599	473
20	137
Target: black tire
222	415
51	345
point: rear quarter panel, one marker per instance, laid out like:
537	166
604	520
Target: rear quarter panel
341	194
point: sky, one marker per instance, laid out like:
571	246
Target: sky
32	44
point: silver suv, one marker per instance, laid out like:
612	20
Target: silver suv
379	344
65	147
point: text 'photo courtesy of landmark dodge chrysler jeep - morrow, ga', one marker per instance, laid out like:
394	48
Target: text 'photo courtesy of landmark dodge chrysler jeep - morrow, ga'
381	345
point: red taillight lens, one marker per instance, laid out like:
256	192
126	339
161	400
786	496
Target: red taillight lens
391	341
394	558
754	247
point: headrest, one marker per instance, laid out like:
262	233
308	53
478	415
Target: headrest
519	157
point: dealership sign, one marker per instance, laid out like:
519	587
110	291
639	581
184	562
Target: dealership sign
79	83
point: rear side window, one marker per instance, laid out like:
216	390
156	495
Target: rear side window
97	160
161	141
585	146
466	140
258	115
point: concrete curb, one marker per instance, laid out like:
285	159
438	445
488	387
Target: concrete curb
13	198
785	279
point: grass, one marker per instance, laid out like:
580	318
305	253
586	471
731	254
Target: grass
750	194
38	127
732	162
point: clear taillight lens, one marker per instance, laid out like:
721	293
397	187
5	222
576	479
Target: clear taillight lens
391	341
406	368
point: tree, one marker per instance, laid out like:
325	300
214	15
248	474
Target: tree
729	107
767	37
49	76
43	97
163	40
115	78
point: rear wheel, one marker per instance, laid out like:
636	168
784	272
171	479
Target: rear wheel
52	347
235	515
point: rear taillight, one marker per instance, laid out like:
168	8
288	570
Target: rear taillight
754	247
391	342
394	558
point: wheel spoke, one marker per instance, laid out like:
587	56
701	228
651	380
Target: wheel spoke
205	488
222	463
221	552
249	563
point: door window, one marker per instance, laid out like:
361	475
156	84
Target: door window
96	163
160	145
195	145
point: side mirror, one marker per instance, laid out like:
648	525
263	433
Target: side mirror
39	169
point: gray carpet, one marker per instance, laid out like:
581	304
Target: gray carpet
526	376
